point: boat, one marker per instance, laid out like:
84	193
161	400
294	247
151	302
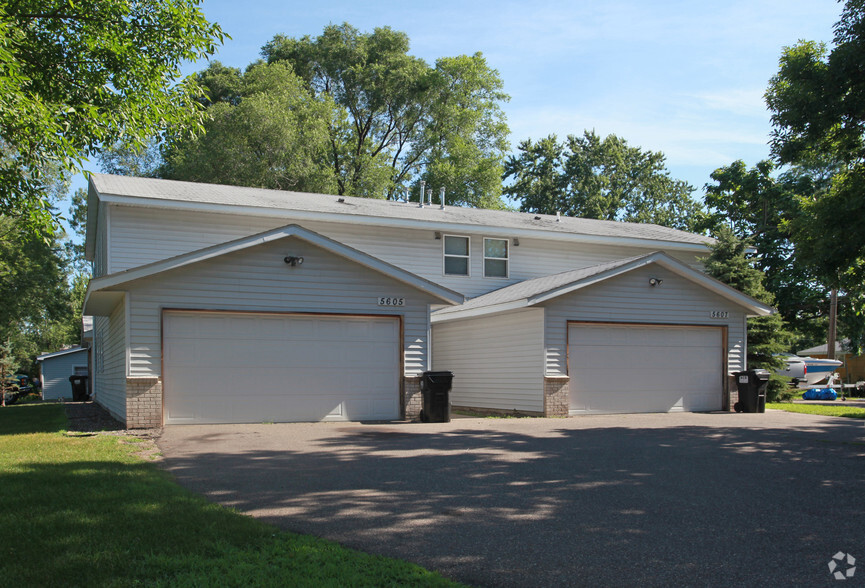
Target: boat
808	371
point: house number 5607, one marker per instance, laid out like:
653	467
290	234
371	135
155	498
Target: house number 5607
391	301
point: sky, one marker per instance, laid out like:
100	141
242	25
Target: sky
681	77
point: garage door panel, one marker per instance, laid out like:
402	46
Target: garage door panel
224	368
644	368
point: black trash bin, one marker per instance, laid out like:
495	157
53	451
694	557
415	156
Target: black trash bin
752	390
435	388
79	388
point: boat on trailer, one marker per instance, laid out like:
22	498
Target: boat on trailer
808	371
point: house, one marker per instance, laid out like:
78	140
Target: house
55	369
853	369
217	304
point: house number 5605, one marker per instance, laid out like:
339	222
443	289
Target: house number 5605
391	301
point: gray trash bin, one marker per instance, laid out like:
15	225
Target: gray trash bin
752	390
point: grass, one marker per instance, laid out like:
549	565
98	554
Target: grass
838	410
85	510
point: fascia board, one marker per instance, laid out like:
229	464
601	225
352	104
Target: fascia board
498	231
453	315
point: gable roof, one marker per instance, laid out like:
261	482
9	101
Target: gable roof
54	354
297	206
841	348
102	295
538	290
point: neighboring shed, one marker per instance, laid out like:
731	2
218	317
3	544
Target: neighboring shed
56	368
853	369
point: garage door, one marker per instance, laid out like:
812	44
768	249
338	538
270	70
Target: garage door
247	368
642	368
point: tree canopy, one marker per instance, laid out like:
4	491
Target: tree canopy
817	101
405	121
263	130
76	75
608	179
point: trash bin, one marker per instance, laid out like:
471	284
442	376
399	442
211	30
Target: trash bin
79	388
752	390
435	388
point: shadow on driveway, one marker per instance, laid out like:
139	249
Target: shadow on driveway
711	499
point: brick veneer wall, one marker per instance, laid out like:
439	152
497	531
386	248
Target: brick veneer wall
412	400
732	396
143	403
557	399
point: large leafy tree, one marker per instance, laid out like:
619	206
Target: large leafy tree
756	204
591	177
264	129
75	75
405	120
818	112
37	311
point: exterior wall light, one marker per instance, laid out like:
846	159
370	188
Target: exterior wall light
293	260
655	282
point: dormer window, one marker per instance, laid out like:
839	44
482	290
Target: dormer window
456	255
495	258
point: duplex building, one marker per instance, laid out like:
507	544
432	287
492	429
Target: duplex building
217	304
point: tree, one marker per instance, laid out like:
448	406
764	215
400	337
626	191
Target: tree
79	75
263	129
756	206
817	101
405	121
598	178
767	335
8	366
37	311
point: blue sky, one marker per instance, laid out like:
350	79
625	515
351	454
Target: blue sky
682	77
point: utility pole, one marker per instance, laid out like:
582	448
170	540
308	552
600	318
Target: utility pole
833	315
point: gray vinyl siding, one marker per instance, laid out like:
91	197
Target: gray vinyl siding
497	361
630	299
109	385
56	372
100	258
258	280
144	235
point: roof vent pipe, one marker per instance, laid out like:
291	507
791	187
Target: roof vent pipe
558	217
422	185
442	197
429	198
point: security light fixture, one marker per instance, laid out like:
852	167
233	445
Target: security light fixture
655	282
293	260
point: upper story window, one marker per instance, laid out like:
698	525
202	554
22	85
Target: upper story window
456	255
495	258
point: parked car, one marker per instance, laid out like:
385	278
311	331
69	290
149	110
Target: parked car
12	389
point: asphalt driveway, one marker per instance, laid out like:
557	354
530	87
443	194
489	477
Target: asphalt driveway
662	499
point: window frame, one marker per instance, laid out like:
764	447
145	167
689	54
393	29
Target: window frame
506	259
467	256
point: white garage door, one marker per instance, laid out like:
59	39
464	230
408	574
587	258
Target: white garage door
248	368
640	368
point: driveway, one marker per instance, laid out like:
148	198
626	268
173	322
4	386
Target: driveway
661	499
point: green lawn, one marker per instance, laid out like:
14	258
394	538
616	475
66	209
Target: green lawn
85	511
839	410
